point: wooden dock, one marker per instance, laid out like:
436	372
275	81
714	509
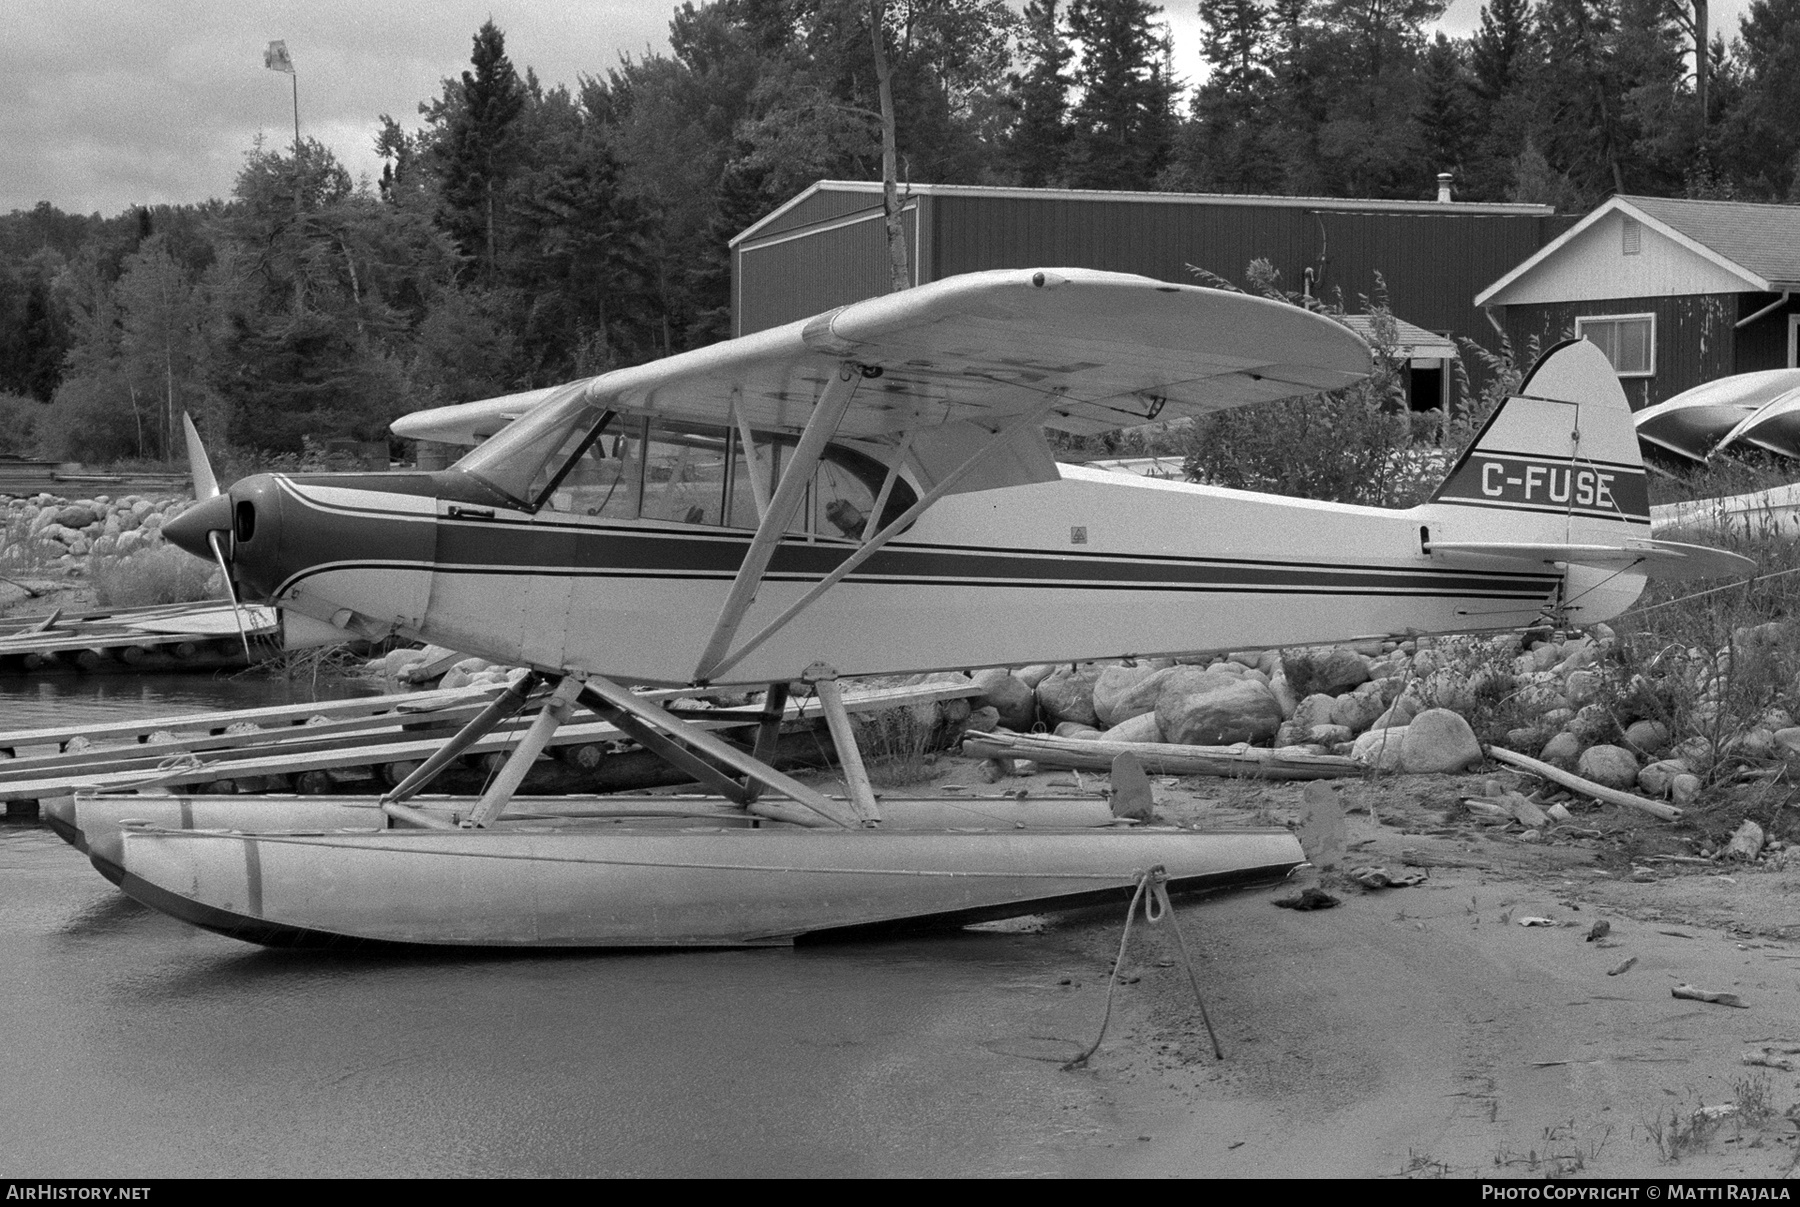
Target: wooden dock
374	740
164	637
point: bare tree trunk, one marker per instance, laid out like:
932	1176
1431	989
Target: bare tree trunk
1700	64
899	273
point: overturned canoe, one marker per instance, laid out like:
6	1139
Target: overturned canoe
1693	423
708	886
1774	426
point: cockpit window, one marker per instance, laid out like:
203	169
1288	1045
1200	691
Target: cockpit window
529	454
584	460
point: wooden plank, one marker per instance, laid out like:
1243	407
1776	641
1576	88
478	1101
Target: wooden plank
290	737
406	704
401	702
277	757
1161	759
82	639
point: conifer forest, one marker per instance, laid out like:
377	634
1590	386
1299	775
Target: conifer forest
525	232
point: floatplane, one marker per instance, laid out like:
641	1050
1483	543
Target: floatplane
867	491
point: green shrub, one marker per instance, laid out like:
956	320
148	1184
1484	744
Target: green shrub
20	418
164	575
1353	445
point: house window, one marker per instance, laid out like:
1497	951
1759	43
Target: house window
1629	341
1631	237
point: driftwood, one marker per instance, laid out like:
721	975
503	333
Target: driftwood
1611	796
1160	758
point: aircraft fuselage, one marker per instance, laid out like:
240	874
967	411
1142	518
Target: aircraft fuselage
1095	565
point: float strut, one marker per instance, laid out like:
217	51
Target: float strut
856	776
768	733
556	710
503	706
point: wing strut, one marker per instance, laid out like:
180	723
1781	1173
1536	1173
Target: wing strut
795	478
712	667
887	485
759	484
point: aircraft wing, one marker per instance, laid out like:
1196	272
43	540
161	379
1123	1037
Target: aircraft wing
1116	349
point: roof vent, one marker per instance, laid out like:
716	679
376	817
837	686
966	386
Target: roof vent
1631	237
1444	187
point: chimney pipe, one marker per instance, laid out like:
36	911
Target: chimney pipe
1444	187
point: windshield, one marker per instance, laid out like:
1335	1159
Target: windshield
517	461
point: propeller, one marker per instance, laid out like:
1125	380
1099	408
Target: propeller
206	484
206	487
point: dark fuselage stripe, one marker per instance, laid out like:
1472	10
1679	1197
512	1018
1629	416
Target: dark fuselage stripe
531	547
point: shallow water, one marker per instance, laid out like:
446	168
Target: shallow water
139	1045
30	701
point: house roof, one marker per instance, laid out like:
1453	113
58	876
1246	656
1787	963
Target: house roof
1759	244
1763	239
1411	343
1352	204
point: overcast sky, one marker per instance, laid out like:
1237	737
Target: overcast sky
113	104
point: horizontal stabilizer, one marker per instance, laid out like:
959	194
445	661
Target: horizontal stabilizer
1654	559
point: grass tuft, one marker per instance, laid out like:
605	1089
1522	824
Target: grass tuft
164	575
900	745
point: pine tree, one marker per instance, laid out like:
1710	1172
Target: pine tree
474	146
1235	44
1124	125
1445	114
1228	145
1495	50
1040	96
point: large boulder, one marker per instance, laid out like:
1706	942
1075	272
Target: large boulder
1332	671
1314	710
1123	692
1438	740
1015	702
77	515
1380	749
1141	728
1068	695
1611	766
1214	710
1561	750
1356	711
1647	736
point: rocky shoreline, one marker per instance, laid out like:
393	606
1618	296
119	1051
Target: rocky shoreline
46	532
1581	702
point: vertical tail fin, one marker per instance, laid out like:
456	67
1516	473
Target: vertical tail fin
1560	456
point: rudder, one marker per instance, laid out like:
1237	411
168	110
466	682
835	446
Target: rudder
1562	446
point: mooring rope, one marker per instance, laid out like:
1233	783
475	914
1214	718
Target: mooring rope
168	770
1153	891
1746	584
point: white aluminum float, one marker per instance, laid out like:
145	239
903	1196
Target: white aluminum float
524	885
